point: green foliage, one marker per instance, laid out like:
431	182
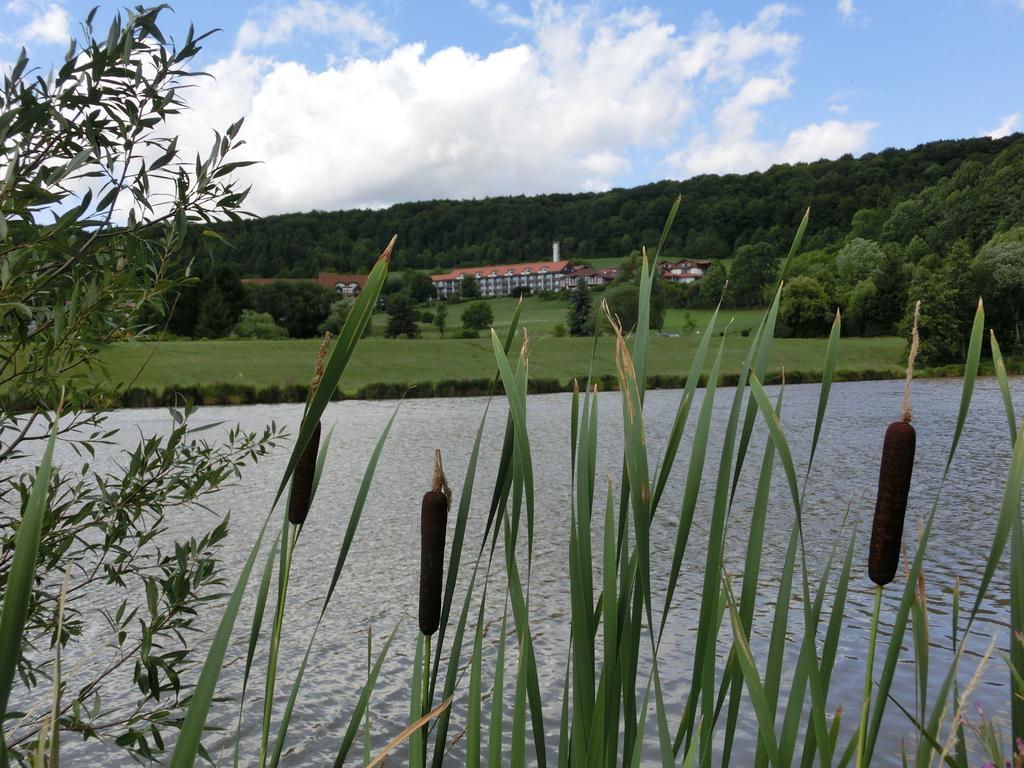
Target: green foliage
856	260
730	210
257	325
300	307
90	257
441	317
401	316
805	311
707	244
712	286
419	285
469	288
478	316
623	302
935	285
753	268
998	273
579	310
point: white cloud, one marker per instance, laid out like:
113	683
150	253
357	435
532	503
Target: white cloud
838	109
49	26
350	25
1010	124
570	109
501	13
846	9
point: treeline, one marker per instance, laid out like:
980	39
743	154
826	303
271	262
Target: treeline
719	214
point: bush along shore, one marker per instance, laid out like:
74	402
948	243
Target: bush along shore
244	394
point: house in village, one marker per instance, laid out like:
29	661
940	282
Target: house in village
684	271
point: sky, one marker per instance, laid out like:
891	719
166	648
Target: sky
367	104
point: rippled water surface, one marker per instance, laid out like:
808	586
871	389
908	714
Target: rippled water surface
379	584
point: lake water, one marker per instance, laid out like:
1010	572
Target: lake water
379	584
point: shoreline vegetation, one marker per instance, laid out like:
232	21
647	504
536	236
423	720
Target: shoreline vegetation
251	372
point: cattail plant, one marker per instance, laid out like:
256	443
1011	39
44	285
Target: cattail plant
890	510
433	523
302	481
894	482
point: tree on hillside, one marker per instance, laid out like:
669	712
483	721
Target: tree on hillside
478	316
941	328
579	310
753	268
441	317
712	286
999	275
804	311
301	307
705	245
420	286
401	316
214	319
856	260
469	288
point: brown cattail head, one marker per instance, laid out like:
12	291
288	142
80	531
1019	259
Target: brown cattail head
433	523
891	504
302	480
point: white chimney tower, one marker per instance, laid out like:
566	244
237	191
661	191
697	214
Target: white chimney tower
554	251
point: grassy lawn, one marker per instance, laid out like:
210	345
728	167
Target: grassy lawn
540	316
404	361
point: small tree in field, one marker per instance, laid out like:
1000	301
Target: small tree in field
579	310
469	288
478	316
441	317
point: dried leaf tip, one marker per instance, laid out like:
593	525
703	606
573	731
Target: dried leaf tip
386	255
438	482
915	342
321	362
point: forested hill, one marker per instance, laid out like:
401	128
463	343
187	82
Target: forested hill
895	194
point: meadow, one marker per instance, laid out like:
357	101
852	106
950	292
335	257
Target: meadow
407	362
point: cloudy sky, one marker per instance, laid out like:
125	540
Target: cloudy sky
370	103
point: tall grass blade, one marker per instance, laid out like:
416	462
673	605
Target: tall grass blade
363	704
21	578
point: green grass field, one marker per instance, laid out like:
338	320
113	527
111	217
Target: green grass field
409	361
540	316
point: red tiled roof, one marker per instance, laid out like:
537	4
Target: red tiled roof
501	270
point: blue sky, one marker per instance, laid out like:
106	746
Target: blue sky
369	103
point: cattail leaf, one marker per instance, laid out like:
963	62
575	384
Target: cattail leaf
691	490
363	702
473	704
1004	387
254	633
337	360
752	679
21	577
970	376
748	591
683	412
416	744
189	737
495	729
828	370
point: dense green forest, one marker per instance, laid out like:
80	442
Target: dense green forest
943	223
896	193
